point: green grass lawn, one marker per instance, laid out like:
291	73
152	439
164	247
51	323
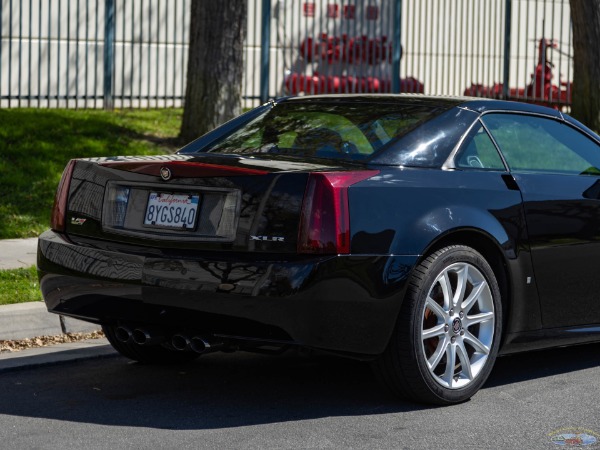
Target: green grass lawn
19	286
36	144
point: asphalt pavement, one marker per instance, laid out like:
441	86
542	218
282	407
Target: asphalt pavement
248	401
30	320
69	395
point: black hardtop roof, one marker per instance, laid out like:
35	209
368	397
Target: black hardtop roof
480	105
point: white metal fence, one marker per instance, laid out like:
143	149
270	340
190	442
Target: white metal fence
77	53
133	53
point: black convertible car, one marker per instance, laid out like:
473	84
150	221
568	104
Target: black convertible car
426	235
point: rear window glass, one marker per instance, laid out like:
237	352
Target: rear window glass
352	131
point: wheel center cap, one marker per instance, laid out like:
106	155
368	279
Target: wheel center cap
457	325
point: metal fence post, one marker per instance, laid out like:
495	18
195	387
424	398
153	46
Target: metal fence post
265	50
109	57
397	46
507	31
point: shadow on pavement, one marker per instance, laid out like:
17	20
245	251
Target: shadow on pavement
234	390
543	363
216	391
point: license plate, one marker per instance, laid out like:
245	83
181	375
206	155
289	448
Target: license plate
172	211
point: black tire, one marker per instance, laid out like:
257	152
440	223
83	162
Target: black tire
150	354
416	364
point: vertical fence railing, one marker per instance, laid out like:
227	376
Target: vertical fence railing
265	54
507	36
397	46
542	64
133	53
109	56
94	53
150	52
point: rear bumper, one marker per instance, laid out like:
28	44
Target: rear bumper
346	304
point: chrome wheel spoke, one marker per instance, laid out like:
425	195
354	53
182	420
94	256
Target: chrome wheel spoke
437	330
461	285
437	356
465	362
473	296
448	375
476	343
436	308
478	318
446	290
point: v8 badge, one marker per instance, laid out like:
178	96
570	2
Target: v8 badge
77	221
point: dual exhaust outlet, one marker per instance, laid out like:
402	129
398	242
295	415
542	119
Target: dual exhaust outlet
179	341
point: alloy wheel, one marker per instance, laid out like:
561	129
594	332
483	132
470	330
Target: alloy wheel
457	329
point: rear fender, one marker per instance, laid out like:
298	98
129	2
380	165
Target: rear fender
502	244
442	221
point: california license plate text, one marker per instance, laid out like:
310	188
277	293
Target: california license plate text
171	210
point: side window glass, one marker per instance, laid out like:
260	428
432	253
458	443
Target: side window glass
479	152
536	144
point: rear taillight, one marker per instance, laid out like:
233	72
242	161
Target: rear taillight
325	219
59	210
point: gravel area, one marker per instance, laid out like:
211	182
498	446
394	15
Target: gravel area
45	341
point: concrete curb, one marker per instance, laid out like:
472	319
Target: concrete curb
29	320
56	354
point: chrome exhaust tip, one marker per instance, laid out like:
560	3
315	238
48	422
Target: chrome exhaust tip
180	342
123	334
146	337
200	344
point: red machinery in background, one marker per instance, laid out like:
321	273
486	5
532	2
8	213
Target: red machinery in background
540	90
336	53
343	49
297	83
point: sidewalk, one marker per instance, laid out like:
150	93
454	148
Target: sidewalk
17	253
29	320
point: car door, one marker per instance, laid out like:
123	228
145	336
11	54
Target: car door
557	168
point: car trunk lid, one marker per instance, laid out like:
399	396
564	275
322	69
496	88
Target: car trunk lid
201	202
